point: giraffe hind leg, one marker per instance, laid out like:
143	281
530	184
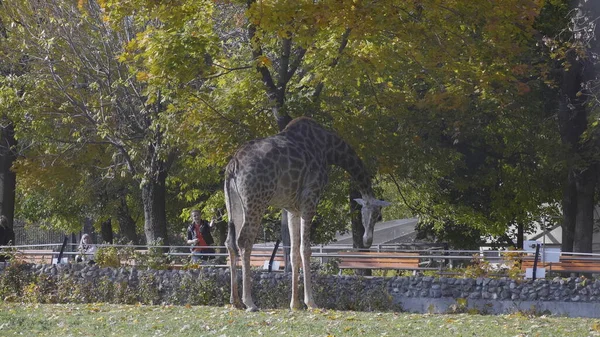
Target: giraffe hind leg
247	279
245	240
234	298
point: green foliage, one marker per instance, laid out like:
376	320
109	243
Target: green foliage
478	267
352	296
148	288
460	306
331	267
444	100
201	290
13	280
154	258
107	257
459	236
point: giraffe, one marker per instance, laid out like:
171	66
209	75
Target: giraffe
289	171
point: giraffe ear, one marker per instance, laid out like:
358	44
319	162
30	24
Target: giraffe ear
381	203
360	201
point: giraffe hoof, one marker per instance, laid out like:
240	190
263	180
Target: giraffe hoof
312	306
252	309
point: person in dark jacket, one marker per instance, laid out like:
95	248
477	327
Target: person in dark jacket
7	236
198	235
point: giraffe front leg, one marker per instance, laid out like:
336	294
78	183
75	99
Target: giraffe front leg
294	229
306	253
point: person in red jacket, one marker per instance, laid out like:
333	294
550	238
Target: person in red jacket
198	235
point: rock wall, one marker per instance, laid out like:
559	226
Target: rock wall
561	296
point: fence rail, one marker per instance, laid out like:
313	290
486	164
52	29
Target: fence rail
429	259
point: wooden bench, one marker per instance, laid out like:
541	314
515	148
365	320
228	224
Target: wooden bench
567	264
379	260
35	256
261	256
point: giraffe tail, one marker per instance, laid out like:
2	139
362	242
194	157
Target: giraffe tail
233	204
231	239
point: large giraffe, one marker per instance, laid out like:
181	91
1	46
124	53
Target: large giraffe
287	170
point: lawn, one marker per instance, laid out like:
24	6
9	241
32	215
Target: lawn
146	321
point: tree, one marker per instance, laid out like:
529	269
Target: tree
450	86
82	96
574	49
453	108
444	99
8	143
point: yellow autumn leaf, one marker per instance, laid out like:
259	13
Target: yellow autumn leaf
264	61
142	76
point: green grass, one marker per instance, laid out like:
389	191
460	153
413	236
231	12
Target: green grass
145	321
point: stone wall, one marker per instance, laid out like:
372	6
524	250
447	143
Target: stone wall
574	297
561	296
558	289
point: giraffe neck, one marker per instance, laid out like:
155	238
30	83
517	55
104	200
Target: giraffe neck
333	148
342	155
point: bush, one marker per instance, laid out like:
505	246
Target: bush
13	279
206	287
154	258
108	257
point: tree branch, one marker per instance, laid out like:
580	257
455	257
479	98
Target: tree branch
334	62
300	52
256	53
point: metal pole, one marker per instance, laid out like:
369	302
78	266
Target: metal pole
535	260
62	250
273	255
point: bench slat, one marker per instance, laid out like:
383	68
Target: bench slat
265	255
35	256
566	264
378	260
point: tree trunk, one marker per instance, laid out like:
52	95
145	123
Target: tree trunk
587	30
520	235
154	201
569	208
8	178
358	230
126	222
578	195
584	226
106	231
356	219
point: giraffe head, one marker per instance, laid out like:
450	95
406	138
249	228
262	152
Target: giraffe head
371	209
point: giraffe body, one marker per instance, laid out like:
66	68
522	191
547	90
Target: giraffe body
287	170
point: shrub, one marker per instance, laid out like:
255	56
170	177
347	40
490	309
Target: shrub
108	257
13	280
203	290
154	258
111	256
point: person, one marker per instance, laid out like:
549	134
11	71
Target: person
86	250
7	236
198	235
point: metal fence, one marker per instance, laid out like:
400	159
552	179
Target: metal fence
35	235
429	257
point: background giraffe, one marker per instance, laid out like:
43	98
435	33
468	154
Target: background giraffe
288	170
